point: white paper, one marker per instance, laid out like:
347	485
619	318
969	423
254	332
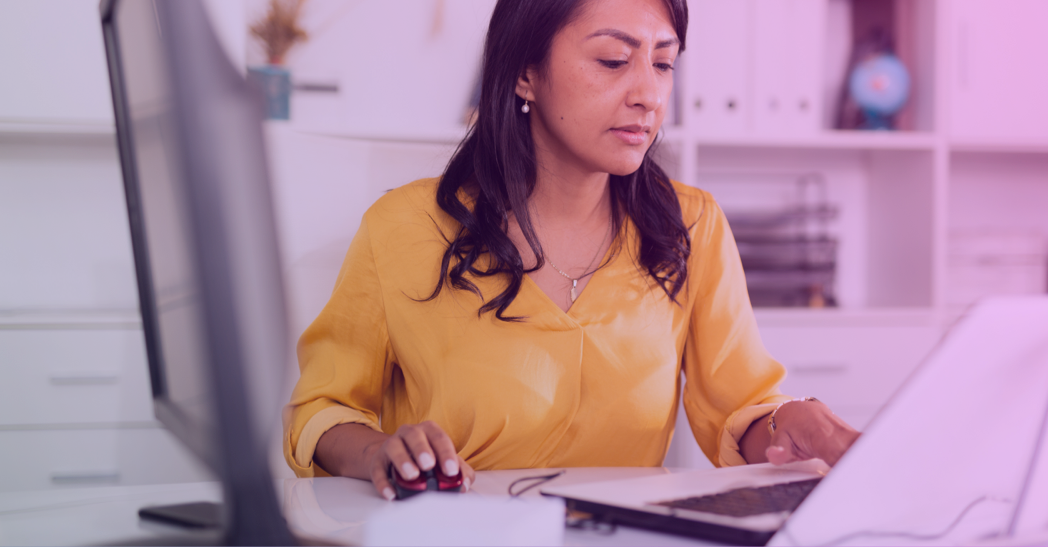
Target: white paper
447	519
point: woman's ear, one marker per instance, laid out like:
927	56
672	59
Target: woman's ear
526	84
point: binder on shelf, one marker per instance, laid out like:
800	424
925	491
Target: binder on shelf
755	67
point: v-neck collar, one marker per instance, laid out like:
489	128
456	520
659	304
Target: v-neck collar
618	245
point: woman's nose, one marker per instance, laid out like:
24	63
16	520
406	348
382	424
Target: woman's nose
646	91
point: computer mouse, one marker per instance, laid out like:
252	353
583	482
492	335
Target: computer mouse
427	480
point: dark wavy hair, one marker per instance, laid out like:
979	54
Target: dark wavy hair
495	166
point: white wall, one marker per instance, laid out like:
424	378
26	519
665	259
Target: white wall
404	67
53	62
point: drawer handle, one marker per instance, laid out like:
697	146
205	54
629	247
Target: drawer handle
819	369
66	478
63	379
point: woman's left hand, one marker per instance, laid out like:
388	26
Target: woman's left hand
803	430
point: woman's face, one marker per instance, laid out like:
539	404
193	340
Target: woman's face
602	99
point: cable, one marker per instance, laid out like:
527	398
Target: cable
1034	459
538	480
900	534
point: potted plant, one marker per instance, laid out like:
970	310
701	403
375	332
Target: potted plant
278	31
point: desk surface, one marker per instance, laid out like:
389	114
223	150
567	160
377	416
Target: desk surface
91	515
330	508
333	509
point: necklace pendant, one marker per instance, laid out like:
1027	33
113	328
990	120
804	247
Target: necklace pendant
574	295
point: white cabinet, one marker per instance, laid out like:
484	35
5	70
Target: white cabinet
75	400
999	76
74	376
854	366
62	458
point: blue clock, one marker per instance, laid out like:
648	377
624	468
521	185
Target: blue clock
880	86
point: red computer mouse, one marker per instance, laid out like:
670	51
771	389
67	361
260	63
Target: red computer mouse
428	480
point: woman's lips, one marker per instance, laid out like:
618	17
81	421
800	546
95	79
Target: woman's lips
631	135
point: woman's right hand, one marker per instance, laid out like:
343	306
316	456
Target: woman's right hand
411	449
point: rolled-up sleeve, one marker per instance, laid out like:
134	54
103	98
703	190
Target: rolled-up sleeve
345	360
730	379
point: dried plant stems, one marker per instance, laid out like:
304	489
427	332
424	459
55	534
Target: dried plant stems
278	30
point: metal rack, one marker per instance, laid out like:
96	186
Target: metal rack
789	254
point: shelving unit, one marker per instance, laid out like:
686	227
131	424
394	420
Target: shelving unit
917	188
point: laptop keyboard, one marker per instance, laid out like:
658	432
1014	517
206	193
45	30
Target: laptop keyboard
749	501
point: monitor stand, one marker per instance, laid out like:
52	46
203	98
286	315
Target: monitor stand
188	524
195	515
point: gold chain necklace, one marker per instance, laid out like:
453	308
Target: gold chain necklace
575	281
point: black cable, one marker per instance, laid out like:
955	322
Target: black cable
572	520
538	480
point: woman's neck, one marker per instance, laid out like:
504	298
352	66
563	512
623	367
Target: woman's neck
566	198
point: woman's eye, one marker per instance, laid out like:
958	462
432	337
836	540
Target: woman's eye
664	67
612	64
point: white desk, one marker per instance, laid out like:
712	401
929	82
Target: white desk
329	508
92	515
334	509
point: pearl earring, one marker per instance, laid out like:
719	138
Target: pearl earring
525	109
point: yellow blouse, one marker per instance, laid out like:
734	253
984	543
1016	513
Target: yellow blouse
595	386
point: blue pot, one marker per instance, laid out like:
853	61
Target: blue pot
275	82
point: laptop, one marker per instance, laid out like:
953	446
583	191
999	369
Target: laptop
949	459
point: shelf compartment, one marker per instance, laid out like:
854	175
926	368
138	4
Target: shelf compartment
886	229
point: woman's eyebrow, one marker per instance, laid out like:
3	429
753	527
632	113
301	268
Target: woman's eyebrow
631	41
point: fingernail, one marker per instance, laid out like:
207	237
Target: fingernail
466	483
389	494
451	467
410	472
426	461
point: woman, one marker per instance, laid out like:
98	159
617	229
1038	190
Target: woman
536	305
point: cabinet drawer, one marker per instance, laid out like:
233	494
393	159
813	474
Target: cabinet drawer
46	459
73	376
853	369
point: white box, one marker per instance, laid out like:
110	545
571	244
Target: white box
995	263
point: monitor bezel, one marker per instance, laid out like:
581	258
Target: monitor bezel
189	432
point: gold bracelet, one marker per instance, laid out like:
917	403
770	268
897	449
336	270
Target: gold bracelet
771	418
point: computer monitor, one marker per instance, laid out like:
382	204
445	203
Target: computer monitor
189	133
